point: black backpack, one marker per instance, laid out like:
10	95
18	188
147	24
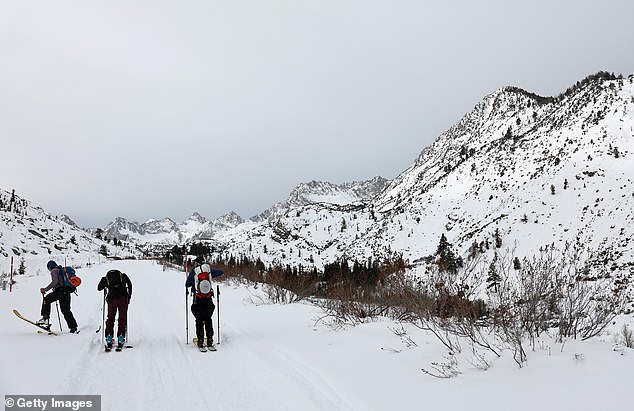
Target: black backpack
114	279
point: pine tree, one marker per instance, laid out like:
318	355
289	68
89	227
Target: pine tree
498	238
509	133
493	277
446	258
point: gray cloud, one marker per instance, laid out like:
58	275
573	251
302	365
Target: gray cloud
151	109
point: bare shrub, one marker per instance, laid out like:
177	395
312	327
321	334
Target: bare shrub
626	336
446	369
280	295
587	298
556	288
401	332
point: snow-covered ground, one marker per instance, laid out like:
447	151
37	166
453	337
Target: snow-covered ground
279	357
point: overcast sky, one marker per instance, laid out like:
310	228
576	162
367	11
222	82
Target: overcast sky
150	109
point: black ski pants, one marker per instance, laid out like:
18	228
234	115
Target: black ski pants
203	309
63	296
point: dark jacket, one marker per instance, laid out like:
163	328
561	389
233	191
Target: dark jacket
125	287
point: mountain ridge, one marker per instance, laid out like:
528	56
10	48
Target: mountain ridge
507	155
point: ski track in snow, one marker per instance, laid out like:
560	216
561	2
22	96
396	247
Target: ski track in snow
161	372
277	357
294	370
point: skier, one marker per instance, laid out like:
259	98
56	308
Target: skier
199	280
60	293
118	297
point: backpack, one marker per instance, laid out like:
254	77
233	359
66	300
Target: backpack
69	278
202	281
114	279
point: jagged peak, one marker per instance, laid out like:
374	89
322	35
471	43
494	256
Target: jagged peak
67	220
162	220
197	217
592	79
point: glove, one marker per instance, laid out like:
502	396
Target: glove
42	291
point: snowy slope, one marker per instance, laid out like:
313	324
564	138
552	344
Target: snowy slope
564	168
316	192
283	357
30	235
537	171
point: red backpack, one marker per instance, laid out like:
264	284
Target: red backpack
202	279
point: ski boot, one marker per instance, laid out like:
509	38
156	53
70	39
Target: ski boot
43	322
108	343
210	344
201	344
120	342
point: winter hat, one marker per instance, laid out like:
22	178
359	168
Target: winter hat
51	264
199	259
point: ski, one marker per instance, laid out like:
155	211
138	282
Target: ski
48	330
207	348
117	349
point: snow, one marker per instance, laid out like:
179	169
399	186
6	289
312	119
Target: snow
283	357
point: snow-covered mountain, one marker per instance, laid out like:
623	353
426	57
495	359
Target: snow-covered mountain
198	228
521	169
168	232
29	234
320	192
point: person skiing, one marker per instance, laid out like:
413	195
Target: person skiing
60	293
199	280
119	293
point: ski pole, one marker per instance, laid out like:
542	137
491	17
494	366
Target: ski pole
49	310
186	304
127	324
218	311
186	317
58	317
103	316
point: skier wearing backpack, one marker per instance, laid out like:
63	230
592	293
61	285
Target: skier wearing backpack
119	293
199	280
60	293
